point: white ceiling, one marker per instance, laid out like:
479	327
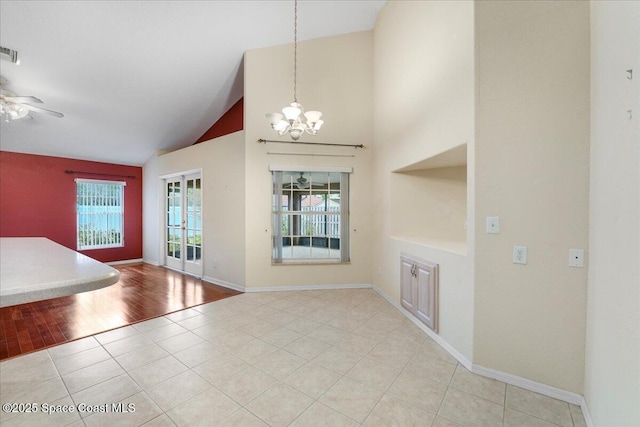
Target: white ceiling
134	77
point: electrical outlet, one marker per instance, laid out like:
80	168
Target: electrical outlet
576	258
493	224
519	254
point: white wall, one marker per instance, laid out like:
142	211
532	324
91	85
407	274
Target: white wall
222	163
532	170
612	374
335	77
423	106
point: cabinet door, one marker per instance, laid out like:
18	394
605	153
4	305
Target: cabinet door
426	298
407	297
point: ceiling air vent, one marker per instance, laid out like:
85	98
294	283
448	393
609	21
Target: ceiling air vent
9	54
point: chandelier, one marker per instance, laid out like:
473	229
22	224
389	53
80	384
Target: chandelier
294	120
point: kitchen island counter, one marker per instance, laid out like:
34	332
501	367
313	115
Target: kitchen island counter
35	268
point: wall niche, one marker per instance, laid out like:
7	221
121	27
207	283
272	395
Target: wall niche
429	201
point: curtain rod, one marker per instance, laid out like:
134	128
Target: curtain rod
311	154
100	174
264	141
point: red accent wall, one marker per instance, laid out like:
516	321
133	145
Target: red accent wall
231	121
38	199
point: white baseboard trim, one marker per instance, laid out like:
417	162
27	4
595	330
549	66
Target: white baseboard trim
546	390
241	288
223	283
152	262
586	413
125	261
307	288
437	338
527	384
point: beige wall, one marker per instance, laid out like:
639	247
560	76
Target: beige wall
423	84
222	163
612	374
532	170
335	77
430	205
423	106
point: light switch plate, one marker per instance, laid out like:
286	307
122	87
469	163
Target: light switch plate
493	224
519	254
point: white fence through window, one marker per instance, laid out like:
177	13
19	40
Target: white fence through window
326	223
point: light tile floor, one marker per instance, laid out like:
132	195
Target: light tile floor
303	358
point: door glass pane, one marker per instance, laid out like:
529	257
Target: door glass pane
183	223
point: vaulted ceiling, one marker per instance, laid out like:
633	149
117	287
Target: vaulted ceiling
135	77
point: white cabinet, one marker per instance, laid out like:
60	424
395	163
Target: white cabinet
419	289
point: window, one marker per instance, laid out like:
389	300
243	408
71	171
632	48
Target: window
310	216
100	213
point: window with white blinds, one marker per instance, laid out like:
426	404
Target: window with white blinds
310	216
100	213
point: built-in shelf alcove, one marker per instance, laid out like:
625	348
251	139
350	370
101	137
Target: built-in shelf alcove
429	201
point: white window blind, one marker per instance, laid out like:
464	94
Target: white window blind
100	213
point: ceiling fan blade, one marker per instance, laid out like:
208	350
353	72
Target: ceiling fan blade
21	99
42	110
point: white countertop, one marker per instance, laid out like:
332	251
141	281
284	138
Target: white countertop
35	268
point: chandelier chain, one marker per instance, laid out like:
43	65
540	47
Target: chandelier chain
295	50
294	120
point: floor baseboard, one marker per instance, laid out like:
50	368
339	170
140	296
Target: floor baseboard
586	413
241	288
125	261
224	283
307	288
527	384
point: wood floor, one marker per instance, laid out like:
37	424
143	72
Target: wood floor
144	291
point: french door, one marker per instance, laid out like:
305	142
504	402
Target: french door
183	223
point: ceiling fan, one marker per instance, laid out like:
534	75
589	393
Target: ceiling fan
302	182
14	107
